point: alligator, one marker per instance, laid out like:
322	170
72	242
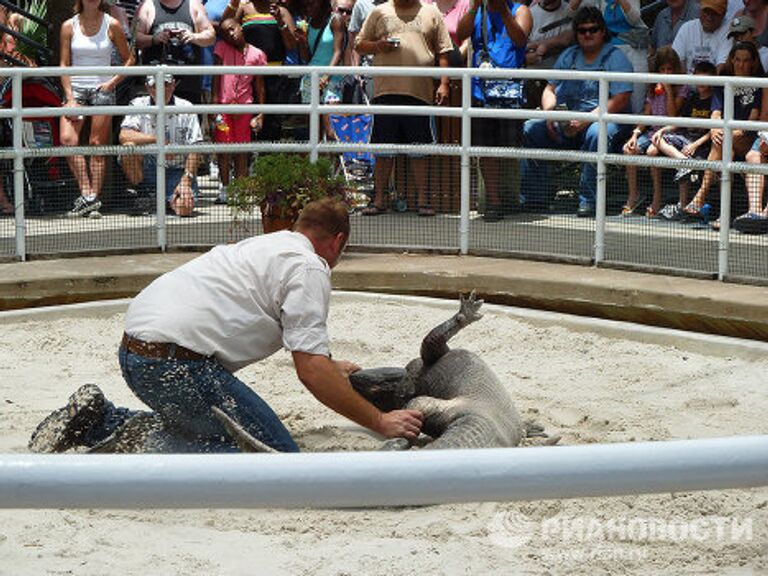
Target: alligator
463	401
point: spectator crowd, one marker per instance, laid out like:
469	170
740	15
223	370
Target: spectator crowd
698	37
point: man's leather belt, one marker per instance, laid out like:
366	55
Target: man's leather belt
160	349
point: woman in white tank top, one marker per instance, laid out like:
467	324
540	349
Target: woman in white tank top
87	39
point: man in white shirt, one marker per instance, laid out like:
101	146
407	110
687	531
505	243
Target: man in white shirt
192	328
706	38
551	33
180	129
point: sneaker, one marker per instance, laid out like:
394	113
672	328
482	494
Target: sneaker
65	427
94	214
586	210
751	223
82	207
222	197
140	202
492	215
672	212
682	173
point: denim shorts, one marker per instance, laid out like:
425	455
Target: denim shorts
172	177
93	97
643	142
680	141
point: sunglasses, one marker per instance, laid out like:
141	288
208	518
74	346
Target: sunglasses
588	30
344	10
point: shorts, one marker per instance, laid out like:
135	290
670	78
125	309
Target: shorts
756	144
680	141
93	97
396	129
234	129
644	142
496	131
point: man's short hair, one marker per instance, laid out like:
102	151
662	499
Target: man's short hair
589	14
327	217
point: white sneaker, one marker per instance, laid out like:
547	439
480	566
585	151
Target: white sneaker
222	197
94	214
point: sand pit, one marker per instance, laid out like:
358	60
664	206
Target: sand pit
589	382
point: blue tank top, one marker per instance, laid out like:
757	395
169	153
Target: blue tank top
324	51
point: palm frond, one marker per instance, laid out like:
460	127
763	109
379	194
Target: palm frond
33	30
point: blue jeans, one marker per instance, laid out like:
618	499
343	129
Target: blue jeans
535	174
183	391
172	178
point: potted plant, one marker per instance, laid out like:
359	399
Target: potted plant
281	185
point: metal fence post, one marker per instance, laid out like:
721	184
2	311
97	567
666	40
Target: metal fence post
314	116
725	184
466	165
18	166
602	150
160	129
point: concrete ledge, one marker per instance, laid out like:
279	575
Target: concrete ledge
683	303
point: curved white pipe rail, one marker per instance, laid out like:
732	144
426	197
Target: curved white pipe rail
365	479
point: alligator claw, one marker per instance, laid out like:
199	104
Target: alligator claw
469	309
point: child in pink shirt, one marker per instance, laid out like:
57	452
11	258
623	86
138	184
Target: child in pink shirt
233	50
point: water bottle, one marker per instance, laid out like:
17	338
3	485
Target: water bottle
220	123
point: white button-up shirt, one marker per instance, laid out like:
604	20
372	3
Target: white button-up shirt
240	302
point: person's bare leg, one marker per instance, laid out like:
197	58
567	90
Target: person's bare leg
133	168
241	165
224	176
656	202
668	150
70	136
754	184
6	205
100	129
420	167
381	173
656	180
632	194
715	154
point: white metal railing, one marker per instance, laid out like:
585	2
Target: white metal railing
465	111
368	479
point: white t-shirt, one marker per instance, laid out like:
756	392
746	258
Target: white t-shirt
180	129
543	18
240	302
693	45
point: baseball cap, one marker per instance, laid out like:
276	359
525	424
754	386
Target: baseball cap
739	25
151	79
719	6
